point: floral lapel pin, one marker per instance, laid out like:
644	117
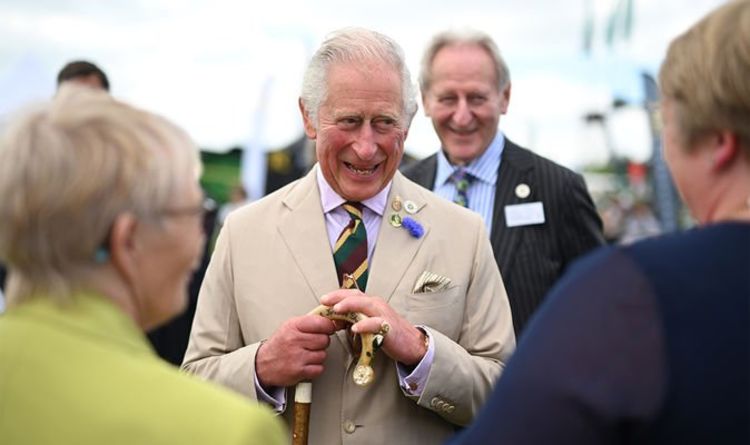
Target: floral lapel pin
415	229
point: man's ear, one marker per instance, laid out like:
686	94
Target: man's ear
725	149
123	247
505	99
310	130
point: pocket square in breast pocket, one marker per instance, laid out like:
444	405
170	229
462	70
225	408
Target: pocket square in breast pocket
431	282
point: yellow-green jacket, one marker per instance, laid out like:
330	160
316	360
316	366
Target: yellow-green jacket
84	374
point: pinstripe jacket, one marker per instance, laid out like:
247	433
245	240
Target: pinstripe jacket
532	257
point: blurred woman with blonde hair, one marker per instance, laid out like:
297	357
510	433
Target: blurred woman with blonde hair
101	228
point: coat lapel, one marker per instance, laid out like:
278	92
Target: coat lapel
514	169
303	229
423	172
396	248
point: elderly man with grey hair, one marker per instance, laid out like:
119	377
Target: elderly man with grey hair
539	215
355	236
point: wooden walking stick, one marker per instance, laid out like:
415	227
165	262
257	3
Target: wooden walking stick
363	374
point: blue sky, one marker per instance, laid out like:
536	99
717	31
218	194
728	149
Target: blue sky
211	65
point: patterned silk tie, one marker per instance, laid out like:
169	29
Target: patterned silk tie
350	251
462	179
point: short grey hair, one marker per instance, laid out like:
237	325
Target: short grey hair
354	45
463	37
68	168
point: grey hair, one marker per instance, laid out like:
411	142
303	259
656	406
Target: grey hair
463	37
67	169
351	45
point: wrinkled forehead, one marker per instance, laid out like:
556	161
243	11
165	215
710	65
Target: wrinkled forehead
369	68
362	85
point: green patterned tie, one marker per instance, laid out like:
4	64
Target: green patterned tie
462	179
350	250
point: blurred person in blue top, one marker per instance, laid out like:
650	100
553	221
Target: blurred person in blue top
101	231
650	343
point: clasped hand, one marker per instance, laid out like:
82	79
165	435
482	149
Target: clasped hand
297	350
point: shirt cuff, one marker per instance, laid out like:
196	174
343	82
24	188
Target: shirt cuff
413	383
276	399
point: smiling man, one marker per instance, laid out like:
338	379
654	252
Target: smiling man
539	215
421	271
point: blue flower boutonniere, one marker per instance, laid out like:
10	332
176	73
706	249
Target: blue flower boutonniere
415	229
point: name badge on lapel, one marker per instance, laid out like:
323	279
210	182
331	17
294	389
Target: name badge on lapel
524	214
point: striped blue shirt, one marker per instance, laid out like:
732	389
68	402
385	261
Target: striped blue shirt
481	193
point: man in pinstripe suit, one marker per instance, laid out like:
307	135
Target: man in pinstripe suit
539	214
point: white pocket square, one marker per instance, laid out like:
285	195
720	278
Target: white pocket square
431	282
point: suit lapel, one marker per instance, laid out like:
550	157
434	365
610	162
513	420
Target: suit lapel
515	168
303	229
395	248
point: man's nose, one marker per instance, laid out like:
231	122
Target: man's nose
365	145
462	116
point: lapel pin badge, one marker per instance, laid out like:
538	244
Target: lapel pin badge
410	207
396	220
523	190
396	204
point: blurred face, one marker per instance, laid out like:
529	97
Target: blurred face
360	133
463	101
171	251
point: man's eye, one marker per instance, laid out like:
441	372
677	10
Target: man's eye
384	124
348	122
447	100
477	100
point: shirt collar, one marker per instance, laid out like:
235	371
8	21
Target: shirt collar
484	168
330	200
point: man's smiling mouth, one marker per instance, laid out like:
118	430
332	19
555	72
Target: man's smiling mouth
361	171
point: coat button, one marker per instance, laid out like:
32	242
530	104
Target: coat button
349	426
434	402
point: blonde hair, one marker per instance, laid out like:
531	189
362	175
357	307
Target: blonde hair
67	169
706	75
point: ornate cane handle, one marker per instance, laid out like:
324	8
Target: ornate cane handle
363	373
